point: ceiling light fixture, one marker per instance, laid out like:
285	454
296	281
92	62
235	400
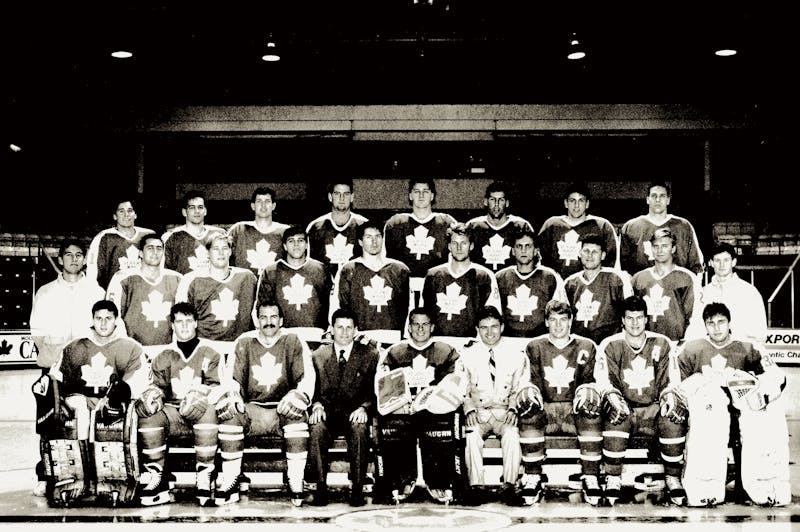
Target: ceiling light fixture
575	49
121	54
272	53
725	52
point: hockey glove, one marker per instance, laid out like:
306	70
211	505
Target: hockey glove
294	404
528	401
674	405
229	404
115	403
587	400
745	392
194	404
616	407
150	402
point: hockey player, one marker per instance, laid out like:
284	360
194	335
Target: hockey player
764	457
332	236
596	293
343	403
74	397
419	239
670	291
430	412
176	404
563	399
375	289
273	382
525	289
456	290
636	252
496	372
561	237
145	295
185	247
300	285
222	295
257	244
116	249
633	372
494	231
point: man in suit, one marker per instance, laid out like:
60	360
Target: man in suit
343	403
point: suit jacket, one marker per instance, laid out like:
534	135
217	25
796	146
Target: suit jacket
354	388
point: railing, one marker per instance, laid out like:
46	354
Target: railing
790	276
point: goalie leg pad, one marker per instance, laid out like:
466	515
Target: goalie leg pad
396	455
116	462
442	446
765	455
68	479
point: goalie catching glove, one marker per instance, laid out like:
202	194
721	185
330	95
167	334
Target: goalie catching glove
674	405
194	404
528	401
587	400
294	404
745	392
616	407
150	402
227	400
442	398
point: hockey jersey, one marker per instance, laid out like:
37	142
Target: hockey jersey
523	297
144	305
303	292
423	366
670	299
456	299
183	252
701	355
558	371
176	374
492	245
250	248
267	371
597	304
224	308
332	244
379	299
419	244
560	242
636	252
639	374
111	251
86	367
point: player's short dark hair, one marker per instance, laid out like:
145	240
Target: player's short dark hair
422	311
496	186
344	314
663	232
150	236
193	194
67	242
662	184
263	191
634	304
459	228
594	238
183	307
716	309
293	230
488	311
577	187
347	181
106	304
269	303
522	232
423	181
723	247
120	200
369	224
554	306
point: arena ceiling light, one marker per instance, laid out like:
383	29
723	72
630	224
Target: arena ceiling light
272	53
575	50
121	54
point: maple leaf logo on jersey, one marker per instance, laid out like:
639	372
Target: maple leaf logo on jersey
570	247
420	374
420	243
559	375
522	303
377	293
297	292
155	309
587	309
261	257
226	307
496	252
657	302
648	250
451	302
339	251
716	367
185	381
198	261
268	372
639	376
97	373
130	260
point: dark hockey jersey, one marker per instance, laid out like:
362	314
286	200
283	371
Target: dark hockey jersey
523	297
670	299
176	374
419	244
303	292
597	305
560	242
110	251
636	252
185	253
250	248
559	371
379	299
492	245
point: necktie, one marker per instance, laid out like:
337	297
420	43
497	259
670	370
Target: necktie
341	362
492	365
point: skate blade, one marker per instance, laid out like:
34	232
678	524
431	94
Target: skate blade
160	498
593	500
222	502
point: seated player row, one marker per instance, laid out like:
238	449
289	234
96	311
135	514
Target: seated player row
423	392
